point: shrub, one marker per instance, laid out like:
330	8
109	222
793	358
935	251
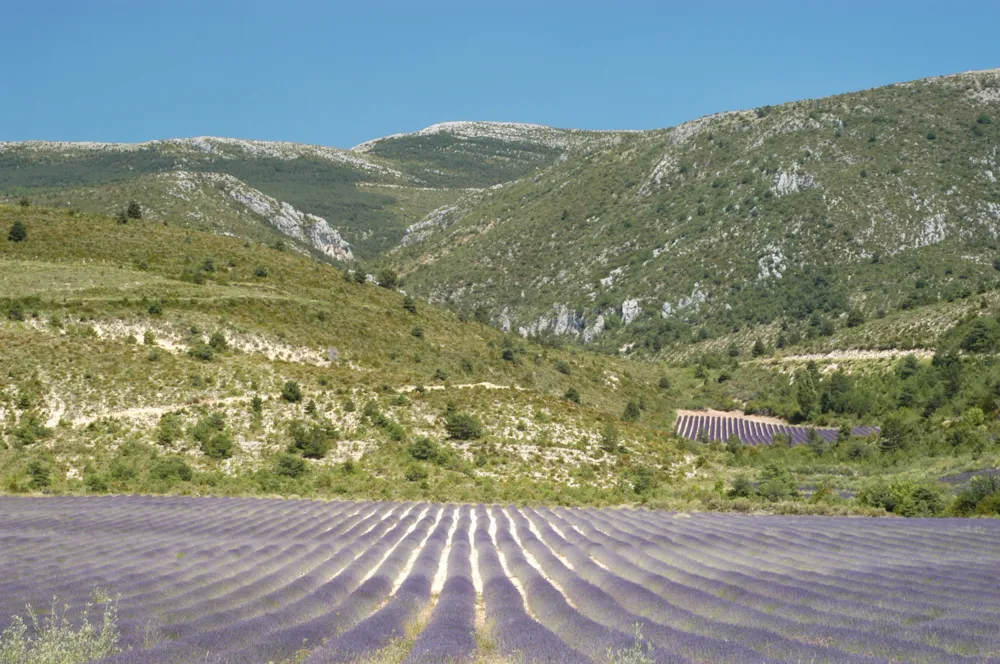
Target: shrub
609	438
312	442
388	278
984	119
218	342
289	465
17	233
903	497
169	429
463	426
508	355
758	349
423	449
201	351
360	277
632	412
409	304
415	473
291	392
171	468
980	495
741	487
256	405
210	432
40	474
931	136
777	482
563	368
133	210
24	202
260	272
417	331
573	395
664	383
55	638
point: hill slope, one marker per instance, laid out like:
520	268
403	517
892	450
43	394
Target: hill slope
367	195
804	212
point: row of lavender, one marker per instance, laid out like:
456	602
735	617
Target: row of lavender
247	580
752	432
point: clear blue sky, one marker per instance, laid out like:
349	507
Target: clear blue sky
337	73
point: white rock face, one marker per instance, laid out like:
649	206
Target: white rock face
789	182
630	311
286	218
772	264
660	171
590	333
439	218
560	321
695	300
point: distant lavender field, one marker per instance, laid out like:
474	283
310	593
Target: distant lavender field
752	432
255	580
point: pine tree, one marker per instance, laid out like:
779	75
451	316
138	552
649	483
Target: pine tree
134	210
18	233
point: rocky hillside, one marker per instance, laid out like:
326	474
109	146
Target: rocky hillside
803	218
337	204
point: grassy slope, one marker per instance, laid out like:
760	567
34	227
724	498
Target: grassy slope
902	209
85	284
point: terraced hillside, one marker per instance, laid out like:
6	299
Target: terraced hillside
813	216
224	580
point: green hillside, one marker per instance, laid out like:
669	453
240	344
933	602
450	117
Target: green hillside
814	214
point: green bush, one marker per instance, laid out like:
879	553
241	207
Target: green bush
632	412
610	440
573	394
289	465
201	351
213	438
903	497
423	449
741	487
291	392
463	426
415	473
170	468
777	482
169	429
409	304
311	441
980	495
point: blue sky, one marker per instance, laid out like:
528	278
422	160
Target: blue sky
338	73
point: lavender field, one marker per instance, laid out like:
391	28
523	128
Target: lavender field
255	580
753	432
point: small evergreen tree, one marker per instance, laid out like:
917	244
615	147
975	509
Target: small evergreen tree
632	412
610	441
291	392
18	233
410	304
24	202
133	210
758	349
573	395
